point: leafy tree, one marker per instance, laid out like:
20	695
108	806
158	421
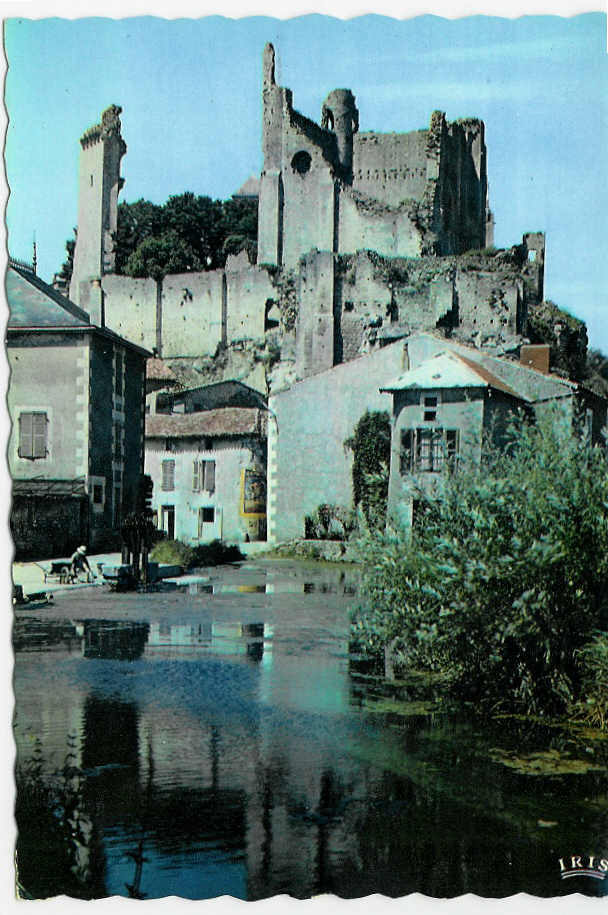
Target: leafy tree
188	232
157	256
65	273
136	222
502	580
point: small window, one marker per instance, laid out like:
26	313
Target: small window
97	494
168	476
32	435
301	162
430	404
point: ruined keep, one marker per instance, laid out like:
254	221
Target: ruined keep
363	238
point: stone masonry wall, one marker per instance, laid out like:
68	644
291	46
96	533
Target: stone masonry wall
390	167
192	313
130	308
310	454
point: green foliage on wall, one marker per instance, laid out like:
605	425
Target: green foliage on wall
371	447
504	579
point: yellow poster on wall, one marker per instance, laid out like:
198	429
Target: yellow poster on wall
253	493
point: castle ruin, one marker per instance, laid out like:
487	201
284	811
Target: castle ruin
363	238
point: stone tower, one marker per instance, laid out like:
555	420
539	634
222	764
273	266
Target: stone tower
102	148
339	114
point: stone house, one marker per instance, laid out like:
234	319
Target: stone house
209	473
444	396
451	397
76	402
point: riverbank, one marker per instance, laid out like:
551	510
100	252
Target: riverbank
30	576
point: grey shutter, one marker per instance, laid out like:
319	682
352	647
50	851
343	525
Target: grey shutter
209	476
196	477
26	437
39	435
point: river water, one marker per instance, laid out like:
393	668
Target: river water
219	739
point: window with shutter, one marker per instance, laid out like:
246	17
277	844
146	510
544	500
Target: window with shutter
168	476
32	435
196	476
209	474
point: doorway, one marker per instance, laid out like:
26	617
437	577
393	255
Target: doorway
167	521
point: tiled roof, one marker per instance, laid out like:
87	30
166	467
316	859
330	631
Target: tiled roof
157	370
229	421
33	303
448	370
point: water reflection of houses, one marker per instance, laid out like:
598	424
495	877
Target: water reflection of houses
222	777
254	640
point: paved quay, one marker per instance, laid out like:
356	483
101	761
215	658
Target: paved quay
30	575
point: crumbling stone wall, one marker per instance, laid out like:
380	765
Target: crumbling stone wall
390	167
130	306
482	297
332	188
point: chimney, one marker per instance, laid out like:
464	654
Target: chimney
95	305
535	356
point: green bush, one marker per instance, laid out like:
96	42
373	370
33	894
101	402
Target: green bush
173	552
501	581
371	447
215	553
329	522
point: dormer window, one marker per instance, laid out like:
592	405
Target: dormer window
430	403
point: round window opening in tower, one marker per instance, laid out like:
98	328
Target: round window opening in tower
301	162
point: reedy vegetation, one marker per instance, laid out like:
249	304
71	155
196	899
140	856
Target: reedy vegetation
502	584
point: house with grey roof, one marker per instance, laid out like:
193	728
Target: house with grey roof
76	403
209	469
445	395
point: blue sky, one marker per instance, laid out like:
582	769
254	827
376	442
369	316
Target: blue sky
190	92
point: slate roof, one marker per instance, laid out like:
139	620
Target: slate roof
33	303
448	370
34	306
230	421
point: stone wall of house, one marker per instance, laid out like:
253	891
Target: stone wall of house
311	454
46	528
231	458
33	360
